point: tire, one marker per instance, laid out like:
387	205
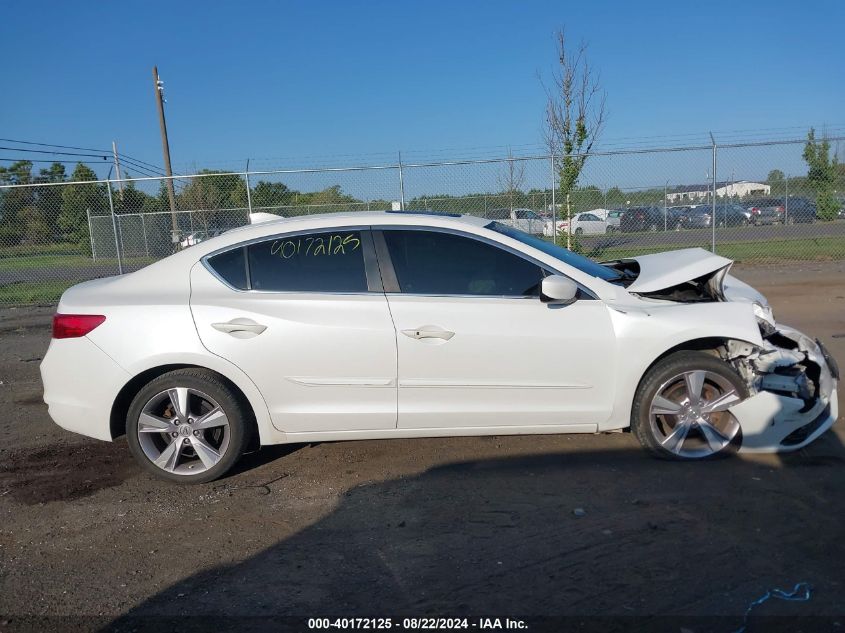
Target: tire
579	231
188	453
684	435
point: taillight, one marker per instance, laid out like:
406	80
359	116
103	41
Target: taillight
754	210
640	216
780	209
75	325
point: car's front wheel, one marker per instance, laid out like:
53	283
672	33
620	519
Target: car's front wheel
681	407
187	426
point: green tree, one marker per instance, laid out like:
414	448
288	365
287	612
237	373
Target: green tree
775	177
575	115
821	175
78	201
271	194
49	199
14	201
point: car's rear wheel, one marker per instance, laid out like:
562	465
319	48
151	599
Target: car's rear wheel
579	231
681	407
187	426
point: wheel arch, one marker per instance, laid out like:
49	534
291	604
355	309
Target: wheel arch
622	412
120	406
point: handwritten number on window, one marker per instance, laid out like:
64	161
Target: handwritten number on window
315	246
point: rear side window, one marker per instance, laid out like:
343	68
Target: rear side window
231	267
431	262
316	262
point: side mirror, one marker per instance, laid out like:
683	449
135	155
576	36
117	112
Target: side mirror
558	289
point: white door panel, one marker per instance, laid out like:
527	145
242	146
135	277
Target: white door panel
324	362
510	361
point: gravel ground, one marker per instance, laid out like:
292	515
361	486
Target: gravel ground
419	527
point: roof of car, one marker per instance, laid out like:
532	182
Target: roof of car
371	217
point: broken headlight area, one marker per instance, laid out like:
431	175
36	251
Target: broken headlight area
792	383
788	363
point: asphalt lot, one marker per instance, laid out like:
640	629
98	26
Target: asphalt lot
447	527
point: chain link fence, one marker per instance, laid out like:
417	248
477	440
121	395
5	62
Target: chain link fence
55	231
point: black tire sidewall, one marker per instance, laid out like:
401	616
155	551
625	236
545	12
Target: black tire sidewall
210	384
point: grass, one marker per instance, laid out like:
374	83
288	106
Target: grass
66	261
25	250
36	292
805	249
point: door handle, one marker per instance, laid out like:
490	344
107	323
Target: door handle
240	328
428	331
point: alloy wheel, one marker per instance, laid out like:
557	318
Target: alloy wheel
183	431
689	414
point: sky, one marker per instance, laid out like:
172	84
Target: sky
308	83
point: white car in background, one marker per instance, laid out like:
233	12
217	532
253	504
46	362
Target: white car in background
587	223
522	219
399	325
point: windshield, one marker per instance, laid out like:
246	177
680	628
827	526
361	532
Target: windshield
558	252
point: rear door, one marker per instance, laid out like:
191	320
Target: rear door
305	317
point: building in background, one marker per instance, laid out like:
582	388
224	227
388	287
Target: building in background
738	188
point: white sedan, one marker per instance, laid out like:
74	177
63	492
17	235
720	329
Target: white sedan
587	223
389	325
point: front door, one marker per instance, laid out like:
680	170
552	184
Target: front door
478	348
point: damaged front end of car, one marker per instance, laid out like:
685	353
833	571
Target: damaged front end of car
792	378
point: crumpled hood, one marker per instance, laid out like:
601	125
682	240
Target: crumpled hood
665	270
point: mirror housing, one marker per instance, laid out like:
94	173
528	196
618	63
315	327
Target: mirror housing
558	289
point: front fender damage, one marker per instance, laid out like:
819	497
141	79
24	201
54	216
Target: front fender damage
792	381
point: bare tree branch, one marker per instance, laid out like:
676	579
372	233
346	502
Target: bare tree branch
575	113
511	179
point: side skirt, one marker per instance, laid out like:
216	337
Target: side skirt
381	434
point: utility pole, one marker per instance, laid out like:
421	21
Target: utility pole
158	86
713	213
117	168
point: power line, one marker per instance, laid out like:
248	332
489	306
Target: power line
44	160
139	167
138	160
44	151
87	149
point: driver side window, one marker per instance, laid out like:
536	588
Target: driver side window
438	263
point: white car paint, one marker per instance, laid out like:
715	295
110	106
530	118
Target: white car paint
333	366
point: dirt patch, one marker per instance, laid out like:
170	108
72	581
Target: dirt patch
64	472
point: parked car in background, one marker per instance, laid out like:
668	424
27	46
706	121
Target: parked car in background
385	325
799	210
698	217
637	219
587	223
614	216
765	210
732	214
523	219
791	210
